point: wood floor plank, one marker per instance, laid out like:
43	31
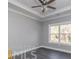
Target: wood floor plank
44	53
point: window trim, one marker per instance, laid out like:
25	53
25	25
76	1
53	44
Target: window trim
57	24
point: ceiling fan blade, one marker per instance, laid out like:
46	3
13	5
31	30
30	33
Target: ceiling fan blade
50	1
36	6
41	2
51	7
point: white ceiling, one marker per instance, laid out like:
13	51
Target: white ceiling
61	6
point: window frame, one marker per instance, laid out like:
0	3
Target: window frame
57	24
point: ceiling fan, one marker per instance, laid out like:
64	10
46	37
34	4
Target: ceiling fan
45	4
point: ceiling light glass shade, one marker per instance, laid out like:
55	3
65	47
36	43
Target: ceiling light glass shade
44	7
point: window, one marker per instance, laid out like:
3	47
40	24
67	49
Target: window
60	33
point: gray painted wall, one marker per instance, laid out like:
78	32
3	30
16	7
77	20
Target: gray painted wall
45	37
23	33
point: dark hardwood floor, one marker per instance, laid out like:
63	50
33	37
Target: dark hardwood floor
51	54
43	53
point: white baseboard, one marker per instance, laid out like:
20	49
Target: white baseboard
61	50
27	50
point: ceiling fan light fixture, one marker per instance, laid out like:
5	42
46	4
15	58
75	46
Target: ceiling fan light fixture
45	5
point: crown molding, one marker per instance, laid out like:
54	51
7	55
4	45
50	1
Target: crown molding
57	17
25	8
54	18
17	12
59	11
36	16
